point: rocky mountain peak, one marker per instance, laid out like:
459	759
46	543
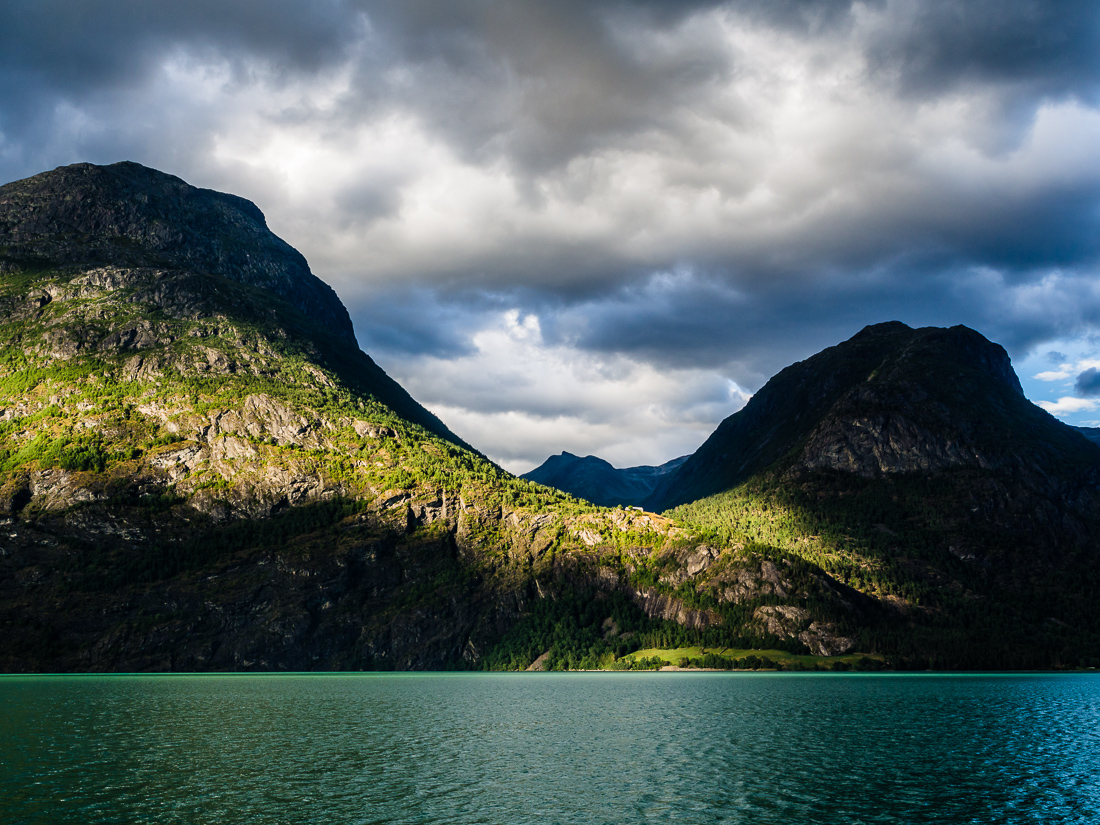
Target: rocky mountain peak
126	214
891	399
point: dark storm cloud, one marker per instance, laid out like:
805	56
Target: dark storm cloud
415	321
685	320
368	199
68	55
685	185
535	82
1048	47
82	45
543	82
1088	383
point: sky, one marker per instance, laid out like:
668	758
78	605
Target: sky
601	226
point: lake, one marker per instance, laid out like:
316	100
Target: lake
546	748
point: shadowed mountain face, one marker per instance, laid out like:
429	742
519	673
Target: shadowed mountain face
1091	433
908	464
890	400
595	480
126	214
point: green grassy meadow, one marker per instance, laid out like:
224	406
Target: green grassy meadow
746	659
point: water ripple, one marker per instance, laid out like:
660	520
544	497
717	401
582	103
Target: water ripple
548	748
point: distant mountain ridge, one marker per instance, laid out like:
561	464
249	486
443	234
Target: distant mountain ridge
1091	433
596	480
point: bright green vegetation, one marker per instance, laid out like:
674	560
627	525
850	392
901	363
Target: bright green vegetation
586	629
847	536
743	659
95	408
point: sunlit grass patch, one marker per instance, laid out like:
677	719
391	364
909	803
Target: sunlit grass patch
748	659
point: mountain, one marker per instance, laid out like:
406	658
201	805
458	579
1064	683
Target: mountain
200	470
1091	433
173	247
128	215
595	480
889	400
907	464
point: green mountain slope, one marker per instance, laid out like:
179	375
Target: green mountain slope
168	253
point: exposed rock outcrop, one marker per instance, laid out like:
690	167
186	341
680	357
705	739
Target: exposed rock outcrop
792	622
663	606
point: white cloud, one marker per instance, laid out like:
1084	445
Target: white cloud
1053	375
520	400
1067	405
1068	371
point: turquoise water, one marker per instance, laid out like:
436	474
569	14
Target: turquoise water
570	748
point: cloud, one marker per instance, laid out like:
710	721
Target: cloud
1038	48
1085	369
521	398
1068	405
1053	375
1088	382
693	194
